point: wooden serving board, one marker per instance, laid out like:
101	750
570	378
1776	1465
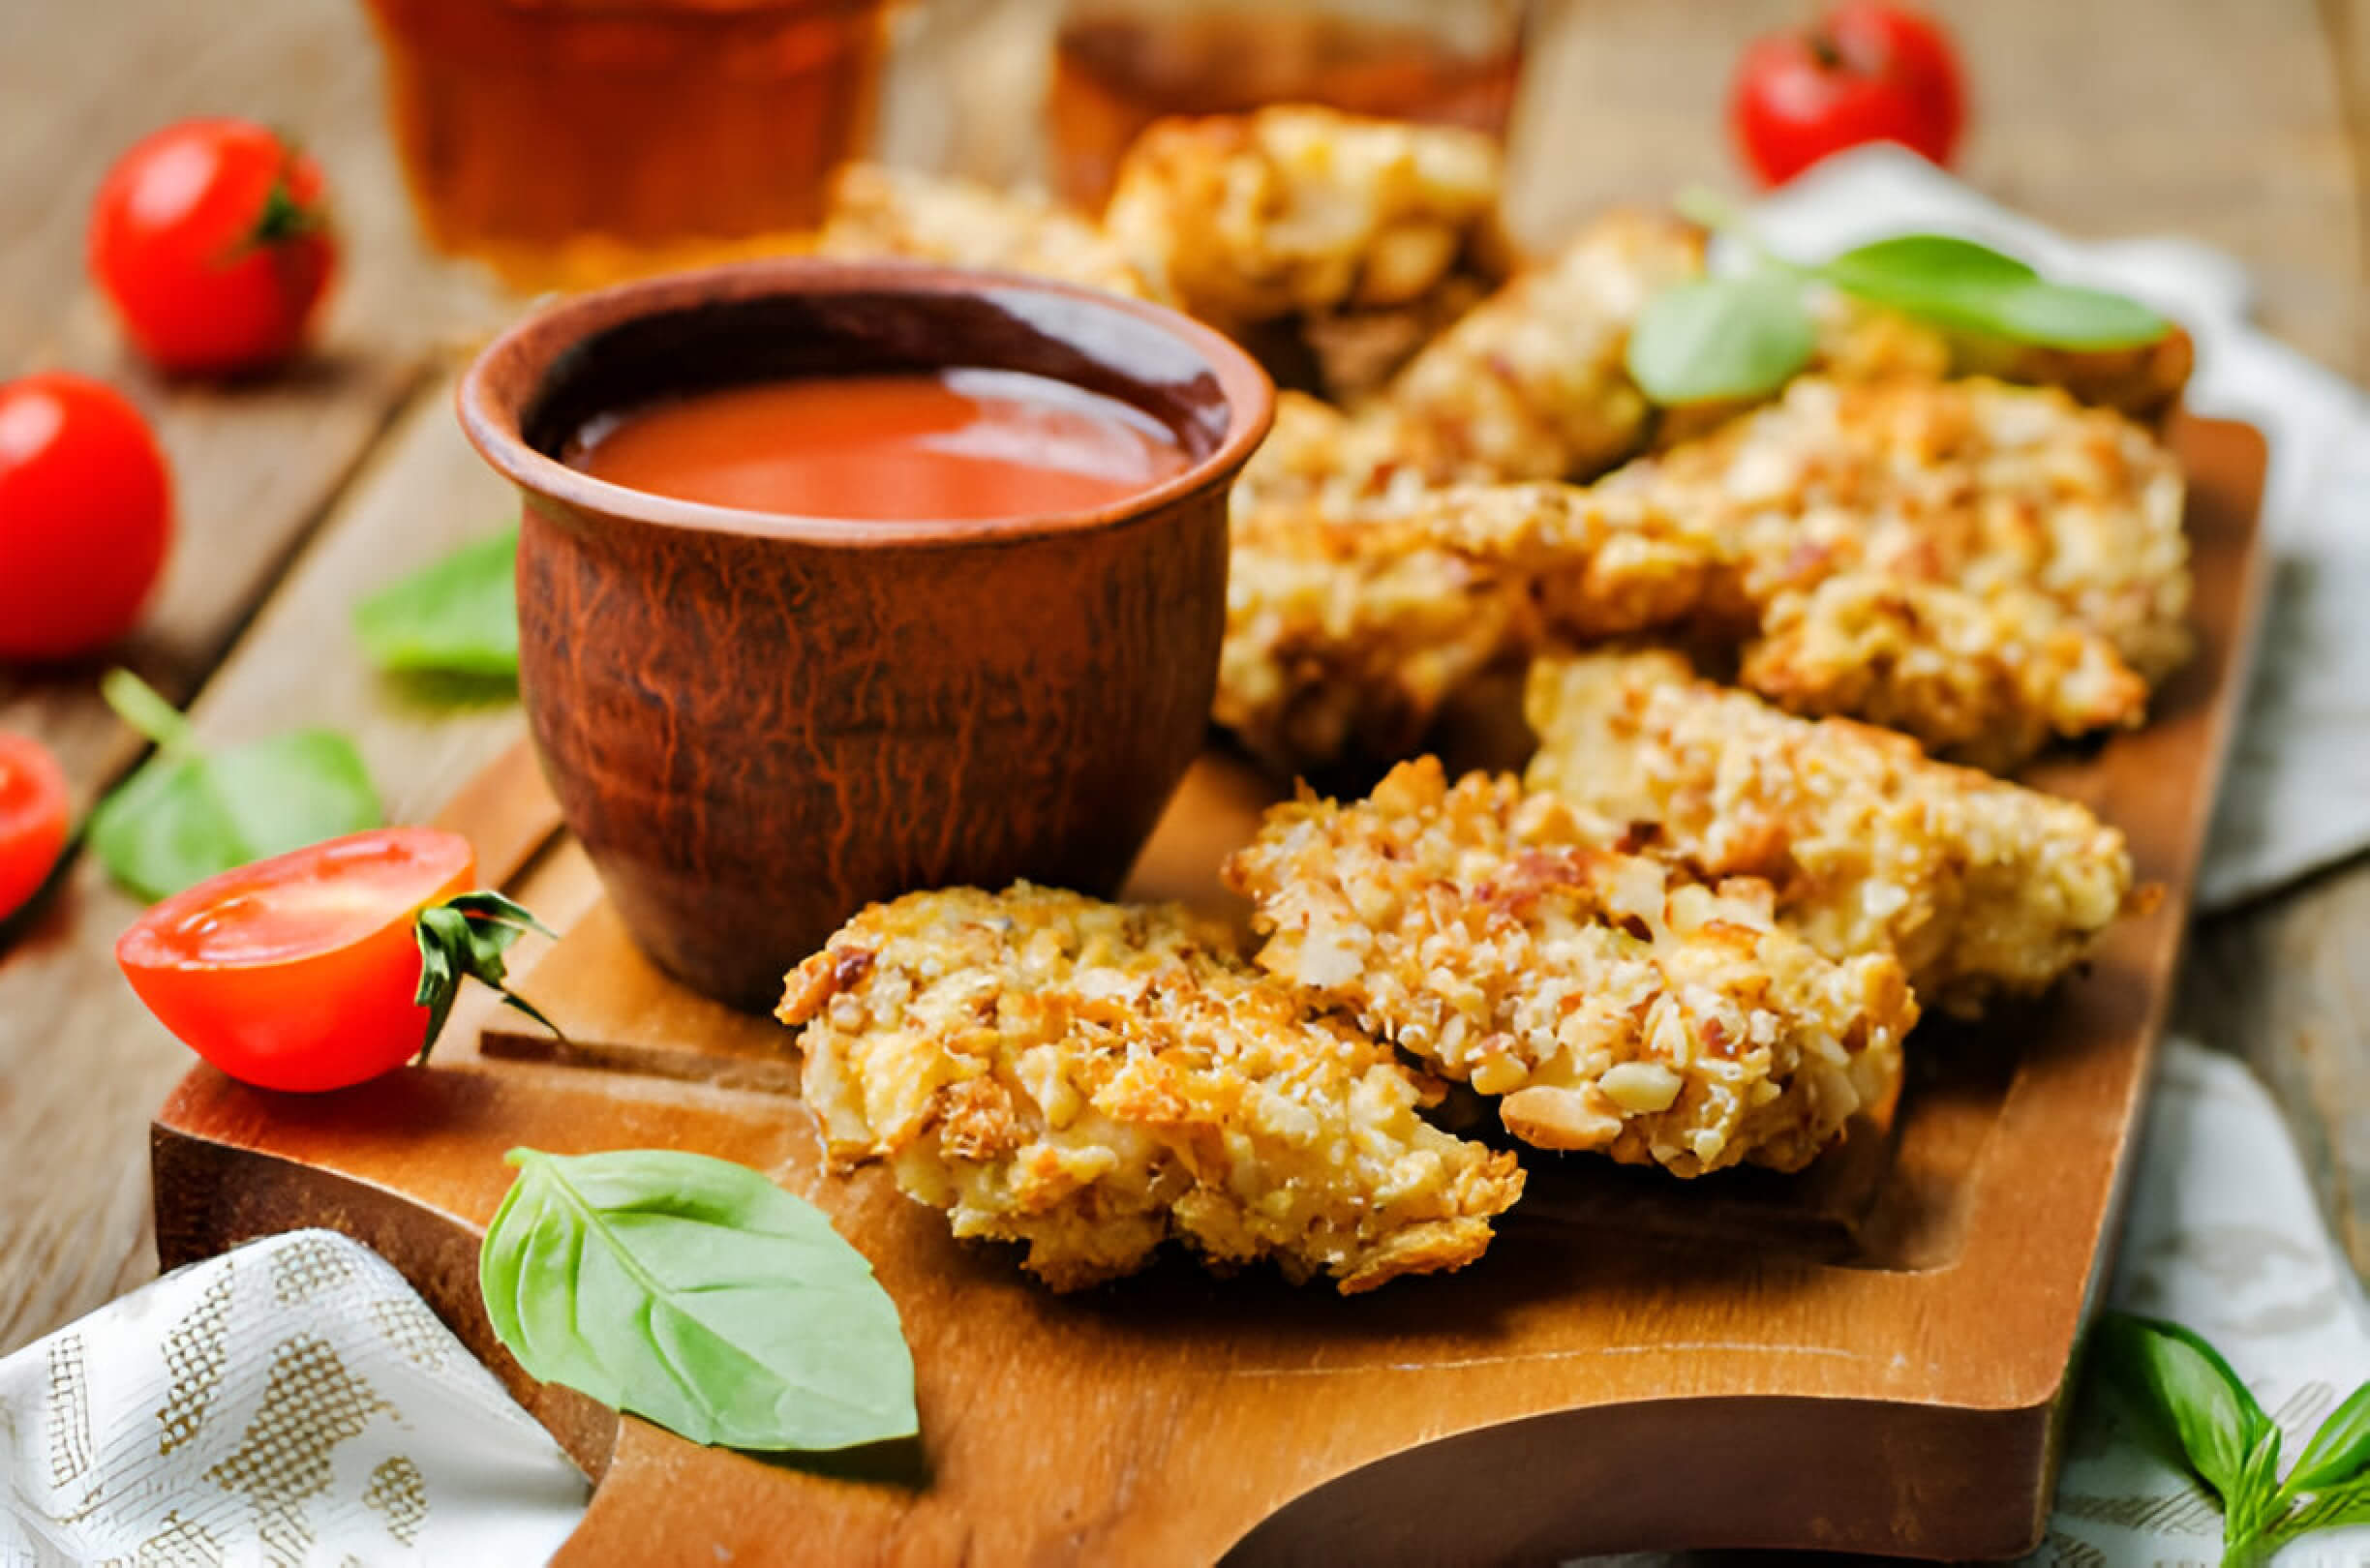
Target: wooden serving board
1875	1356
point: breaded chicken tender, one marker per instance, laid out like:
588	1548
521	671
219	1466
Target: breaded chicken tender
1969	484
1613	1004
1988	568
1347	628
1980	887
1533	383
1985	681
1359	238
1092	1079
877	212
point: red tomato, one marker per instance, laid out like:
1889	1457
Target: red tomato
85	514
213	240
1867	72
298	972
34	811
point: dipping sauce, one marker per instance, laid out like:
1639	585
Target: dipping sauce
955	444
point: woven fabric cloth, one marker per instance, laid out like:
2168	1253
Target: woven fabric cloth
293	1403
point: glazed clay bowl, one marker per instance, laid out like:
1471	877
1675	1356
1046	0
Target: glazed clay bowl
758	724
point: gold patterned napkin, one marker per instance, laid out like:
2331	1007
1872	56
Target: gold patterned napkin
288	1403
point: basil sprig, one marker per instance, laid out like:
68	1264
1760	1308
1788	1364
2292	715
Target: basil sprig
2195	1408
186	815
696	1293
1713	338
457	616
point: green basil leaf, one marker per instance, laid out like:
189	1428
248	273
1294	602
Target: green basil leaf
698	1294
1719	338
456	617
2060	315
1969	288
2180	1386
2339	1453
183	818
1949	281
2346	1503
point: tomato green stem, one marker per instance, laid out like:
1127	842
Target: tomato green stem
465	937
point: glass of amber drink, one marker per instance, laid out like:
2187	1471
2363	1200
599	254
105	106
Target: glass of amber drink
568	143
1118	65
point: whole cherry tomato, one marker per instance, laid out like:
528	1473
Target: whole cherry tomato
212	238
299	972
1867	72
34	811
86	515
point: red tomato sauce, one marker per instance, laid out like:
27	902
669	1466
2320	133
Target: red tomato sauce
956	445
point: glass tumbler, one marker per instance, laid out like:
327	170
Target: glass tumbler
567	142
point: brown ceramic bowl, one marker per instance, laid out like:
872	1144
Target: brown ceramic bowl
758	724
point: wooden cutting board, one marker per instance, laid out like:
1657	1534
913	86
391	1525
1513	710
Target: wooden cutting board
1875	1356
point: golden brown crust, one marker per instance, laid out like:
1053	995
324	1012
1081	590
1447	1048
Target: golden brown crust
1972	485
879	212
1532	383
1365	237
1980	887
1616	1005
1987	568
1092	1079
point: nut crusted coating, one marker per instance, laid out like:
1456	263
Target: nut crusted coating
1970	484
1367	236
1988	568
1615	1006
878	212
1532	383
1092	1079
1980	887
1985	681
1346	633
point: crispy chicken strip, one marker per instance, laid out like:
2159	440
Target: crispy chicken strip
1970	484
1532	383
878	212
1980	887
1987	680
1359	238
1092	1079
1615	1006
1347	630
1988	568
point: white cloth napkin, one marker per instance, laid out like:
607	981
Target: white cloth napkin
2297	797
293	1403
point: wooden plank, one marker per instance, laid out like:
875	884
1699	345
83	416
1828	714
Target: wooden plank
81	1064
1896	1385
257	463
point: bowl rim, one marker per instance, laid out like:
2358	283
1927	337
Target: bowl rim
520	359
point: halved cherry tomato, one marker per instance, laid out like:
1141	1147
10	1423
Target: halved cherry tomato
212	238
86	515
298	972
1868	72
34	808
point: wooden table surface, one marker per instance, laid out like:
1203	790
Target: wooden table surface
2245	125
